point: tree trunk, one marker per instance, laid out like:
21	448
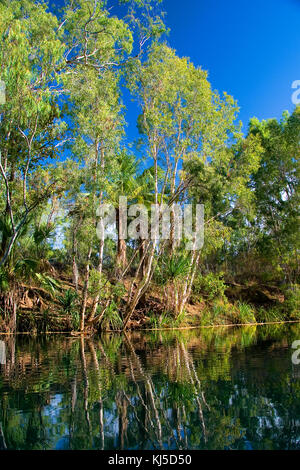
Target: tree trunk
85	290
75	276
140	289
143	257
99	269
121	258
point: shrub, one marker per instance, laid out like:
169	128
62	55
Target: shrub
292	301
97	281
68	301
172	268
50	284
210	286
111	318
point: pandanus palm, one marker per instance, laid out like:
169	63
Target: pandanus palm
170	273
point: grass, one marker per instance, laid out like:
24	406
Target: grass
246	313
166	320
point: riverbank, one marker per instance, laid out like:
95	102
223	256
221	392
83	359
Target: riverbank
40	310
145	330
60	324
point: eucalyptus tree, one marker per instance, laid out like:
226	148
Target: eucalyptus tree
31	52
98	128
182	121
98	44
54	65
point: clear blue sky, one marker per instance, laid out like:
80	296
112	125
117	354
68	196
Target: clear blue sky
251	49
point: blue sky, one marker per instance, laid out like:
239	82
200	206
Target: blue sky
251	50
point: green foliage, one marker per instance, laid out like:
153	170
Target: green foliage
292	301
206	317
97	281
4	280
118	290
211	286
179	319
111	318
246	313
271	314
273	233
41	233
5	226
68	301
156	321
172	268
75	319
48	283
165	320
64	75
26	267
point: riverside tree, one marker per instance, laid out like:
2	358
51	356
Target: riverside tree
65	150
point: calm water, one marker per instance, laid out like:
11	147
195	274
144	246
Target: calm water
233	388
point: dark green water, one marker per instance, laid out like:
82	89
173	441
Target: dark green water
229	388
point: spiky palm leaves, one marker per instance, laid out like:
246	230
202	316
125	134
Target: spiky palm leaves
170	274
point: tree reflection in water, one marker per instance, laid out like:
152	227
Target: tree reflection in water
230	388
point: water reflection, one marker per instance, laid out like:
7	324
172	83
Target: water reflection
225	388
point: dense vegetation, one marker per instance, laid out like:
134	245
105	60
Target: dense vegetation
64	151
